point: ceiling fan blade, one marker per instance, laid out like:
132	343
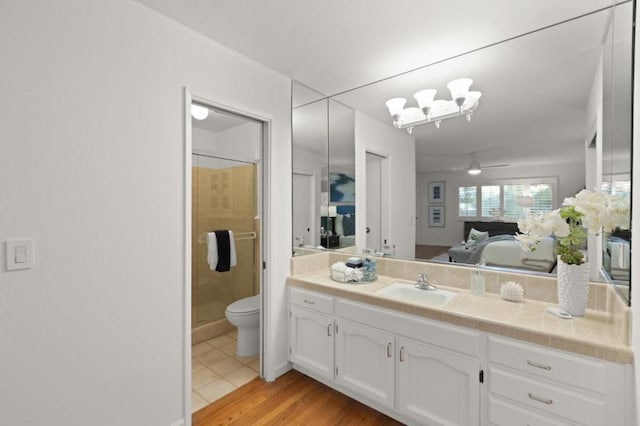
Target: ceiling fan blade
495	165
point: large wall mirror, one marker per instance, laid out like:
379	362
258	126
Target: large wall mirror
554	118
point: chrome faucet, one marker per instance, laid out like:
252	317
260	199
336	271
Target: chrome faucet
423	284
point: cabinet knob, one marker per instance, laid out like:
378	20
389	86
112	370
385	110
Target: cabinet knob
329	329
389	350
402	354
310	302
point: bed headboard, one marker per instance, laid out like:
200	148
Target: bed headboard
493	228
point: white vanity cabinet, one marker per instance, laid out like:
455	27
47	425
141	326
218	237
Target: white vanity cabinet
532	385
365	361
422	371
311	328
428	372
437	387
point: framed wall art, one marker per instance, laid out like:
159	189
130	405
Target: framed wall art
436	192
436	216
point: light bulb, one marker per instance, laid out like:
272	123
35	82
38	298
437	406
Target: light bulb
425	99
395	106
459	89
474	168
198	112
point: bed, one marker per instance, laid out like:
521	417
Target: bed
494	244
617	255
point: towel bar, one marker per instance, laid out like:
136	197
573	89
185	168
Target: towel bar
202	239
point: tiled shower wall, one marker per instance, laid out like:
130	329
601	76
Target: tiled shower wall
223	199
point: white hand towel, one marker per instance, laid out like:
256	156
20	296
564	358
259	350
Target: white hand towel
212	250
233	259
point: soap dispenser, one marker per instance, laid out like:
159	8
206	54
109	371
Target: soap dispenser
477	282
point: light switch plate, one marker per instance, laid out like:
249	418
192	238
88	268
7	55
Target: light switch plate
19	253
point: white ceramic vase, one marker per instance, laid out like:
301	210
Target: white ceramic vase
573	287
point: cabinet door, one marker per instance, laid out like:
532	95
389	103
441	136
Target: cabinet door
311	341
365	361
436	387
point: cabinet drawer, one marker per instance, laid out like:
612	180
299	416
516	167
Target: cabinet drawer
566	368
504	414
547	398
311	300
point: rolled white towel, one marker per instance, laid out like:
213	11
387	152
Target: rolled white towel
341	272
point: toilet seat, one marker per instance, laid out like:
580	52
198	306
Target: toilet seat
248	305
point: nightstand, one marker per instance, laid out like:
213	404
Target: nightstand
331	241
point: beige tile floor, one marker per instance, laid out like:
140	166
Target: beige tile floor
216	370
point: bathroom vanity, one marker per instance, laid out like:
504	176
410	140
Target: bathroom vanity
472	360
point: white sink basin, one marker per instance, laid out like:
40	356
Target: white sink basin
407	292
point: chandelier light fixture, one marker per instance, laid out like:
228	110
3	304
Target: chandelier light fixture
462	104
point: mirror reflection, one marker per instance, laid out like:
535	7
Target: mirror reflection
616	151
310	131
549	122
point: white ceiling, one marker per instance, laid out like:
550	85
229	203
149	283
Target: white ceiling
336	45
535	87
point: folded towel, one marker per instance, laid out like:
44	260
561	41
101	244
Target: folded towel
341	272
221	251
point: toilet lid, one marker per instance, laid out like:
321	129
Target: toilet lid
248	304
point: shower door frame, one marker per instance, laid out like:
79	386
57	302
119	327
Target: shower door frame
263	234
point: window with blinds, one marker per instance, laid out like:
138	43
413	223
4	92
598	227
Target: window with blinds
540	199
467	201
617	184
491	205
509	200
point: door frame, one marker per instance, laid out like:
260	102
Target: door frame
384	194
263	204
313	219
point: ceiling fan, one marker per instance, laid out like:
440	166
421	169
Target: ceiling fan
475	168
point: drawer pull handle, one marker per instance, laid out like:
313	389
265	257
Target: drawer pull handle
543	400
389	350
310	302
402	354
538	365
329	329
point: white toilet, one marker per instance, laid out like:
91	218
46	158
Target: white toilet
245	315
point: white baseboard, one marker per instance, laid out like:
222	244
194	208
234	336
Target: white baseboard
178	423
280	370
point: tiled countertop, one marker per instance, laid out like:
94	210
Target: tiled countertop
595	334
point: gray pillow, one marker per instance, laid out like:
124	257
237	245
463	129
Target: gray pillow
476	236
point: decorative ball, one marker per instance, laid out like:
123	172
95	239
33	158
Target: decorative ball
511	291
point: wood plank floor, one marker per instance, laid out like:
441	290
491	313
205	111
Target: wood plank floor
427	252
292	399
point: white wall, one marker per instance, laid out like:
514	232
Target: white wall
571	179
240	143
91	167
399	148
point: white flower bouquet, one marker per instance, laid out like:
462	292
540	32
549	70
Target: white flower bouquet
587	212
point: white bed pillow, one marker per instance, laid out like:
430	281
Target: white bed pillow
476	236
